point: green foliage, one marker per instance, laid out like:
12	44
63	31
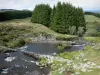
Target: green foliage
68	55
93	26
66	37
57	73
14	14
41	14
66	16
43	62
61	18
52	15
80	31
92	39
17	43
57	23
62	46
72	30
11	36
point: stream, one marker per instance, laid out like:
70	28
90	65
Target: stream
16	63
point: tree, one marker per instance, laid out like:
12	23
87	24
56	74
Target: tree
57	19
52	15
80	20
14	14
62	18
41	14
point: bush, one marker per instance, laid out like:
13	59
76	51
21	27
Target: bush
17	43
68	55
62	46
72	30
80	32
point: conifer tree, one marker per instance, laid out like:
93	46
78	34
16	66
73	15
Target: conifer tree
41	14
61	18
57	21
52	15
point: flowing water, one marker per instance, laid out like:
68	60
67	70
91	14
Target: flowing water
16	63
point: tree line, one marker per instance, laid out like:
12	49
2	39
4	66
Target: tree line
14	14
62	18
92	13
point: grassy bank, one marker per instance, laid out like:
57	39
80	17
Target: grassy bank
17	32
84	62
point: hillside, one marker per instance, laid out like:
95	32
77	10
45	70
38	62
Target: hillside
23	29
34	27
91	18
93	25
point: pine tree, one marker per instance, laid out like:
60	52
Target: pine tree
61	18
52	15
57	21
41	14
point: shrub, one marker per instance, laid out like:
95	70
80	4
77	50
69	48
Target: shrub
17	43
62	46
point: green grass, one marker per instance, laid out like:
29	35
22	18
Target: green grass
65	37
62	46
90	53
92	39
93	25
93	55
91	18
96	72
23	29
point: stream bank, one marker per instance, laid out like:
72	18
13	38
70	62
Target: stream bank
17	63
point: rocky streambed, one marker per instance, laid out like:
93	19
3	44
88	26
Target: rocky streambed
18	63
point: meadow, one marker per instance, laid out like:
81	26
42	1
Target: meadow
18	32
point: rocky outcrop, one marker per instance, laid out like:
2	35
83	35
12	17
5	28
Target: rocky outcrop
43	39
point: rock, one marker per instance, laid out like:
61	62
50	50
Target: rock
43	38
31	54
33	73
9	59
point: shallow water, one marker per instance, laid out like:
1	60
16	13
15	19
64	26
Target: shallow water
75	48
19	64
42	48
